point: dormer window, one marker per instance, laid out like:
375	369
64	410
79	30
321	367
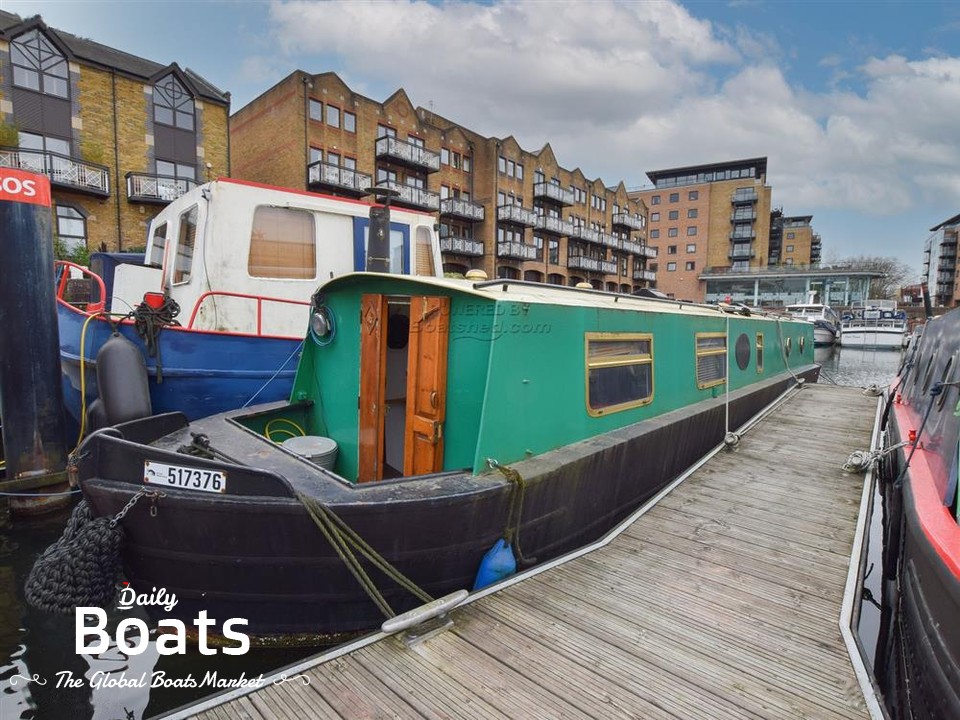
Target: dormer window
172	104
38	65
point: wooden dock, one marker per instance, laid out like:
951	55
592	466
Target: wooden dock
722	601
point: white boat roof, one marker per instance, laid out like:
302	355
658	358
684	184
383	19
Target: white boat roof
544	293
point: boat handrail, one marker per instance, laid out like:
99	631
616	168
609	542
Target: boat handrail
63	272
259	298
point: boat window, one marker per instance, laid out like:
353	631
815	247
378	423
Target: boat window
711	359
186	239
619	371
424	246
283	244
759	352
928	373
159	245
788	345
802	343
944	379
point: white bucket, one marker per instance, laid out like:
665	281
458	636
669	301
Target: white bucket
319	450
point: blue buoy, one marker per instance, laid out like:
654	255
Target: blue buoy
497	564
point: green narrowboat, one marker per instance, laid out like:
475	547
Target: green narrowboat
432	417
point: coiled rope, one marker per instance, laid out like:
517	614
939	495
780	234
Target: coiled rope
149	321
860	461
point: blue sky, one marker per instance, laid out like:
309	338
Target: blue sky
854	103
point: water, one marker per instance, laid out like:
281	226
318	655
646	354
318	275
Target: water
37	643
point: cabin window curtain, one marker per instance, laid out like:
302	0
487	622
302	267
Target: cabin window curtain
711	359
619	372
283	244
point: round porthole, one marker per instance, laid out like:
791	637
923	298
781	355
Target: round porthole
742	351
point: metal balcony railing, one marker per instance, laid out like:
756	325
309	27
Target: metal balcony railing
739	235
62	170
461	245
458	207
632	247
517	215
743	215
610	240
330	175
413	196
650	252
586	234
644	275
745	195
581	262
553	192
553	225
518	251
407	153
741	254
608	267
627	220
143	187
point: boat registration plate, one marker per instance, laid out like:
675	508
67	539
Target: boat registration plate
213	481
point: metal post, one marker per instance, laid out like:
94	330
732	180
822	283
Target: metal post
31	396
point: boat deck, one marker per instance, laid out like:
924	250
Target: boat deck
722	601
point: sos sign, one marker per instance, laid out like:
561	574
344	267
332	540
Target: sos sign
24	187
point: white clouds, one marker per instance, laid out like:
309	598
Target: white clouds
621	88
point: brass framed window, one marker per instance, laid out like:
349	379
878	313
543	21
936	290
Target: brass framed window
759	352
711	359
619	371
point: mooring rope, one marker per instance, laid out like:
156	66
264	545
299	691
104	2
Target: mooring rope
149	321
511	531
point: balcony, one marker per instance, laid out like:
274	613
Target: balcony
644	275
609	240
748	215
946	277
740	235
632	247
517	215
406	153
553	225
518	251
948	264
581	262
608	267
582	232
161	189
461	245
553	192
744	195
627	220
63	171
739	253
650	252
412	197
463	209
340	179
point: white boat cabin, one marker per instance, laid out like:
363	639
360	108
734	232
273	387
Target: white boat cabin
245	258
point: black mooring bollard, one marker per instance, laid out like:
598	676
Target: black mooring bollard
31	397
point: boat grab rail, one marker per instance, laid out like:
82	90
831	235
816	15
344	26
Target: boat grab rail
63	270
259	298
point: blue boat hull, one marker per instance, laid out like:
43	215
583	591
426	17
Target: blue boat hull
203	372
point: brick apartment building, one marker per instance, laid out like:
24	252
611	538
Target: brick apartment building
508	211
719	216
119	136
940	263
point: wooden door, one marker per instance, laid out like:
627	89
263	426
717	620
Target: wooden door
426	385
373	355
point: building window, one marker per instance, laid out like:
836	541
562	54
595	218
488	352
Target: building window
711	359
619	371
316	155
691	247
38	65
674	197
674	215
654	199
467	163
333	116
282	244
791	236
386	131
691	230
655	217
42	143
788	261
692	213
693	195
652	267
71	227
349	121
176	170
671	267
316	110
444	156
672	232
554	252
654	234
789	248
186	240
172	104
416	141
671	249
690	265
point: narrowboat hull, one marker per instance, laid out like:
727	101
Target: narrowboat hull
918	666
203	372
256	553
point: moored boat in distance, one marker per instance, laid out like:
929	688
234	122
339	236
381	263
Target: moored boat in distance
918	649
462	413
826	321
876	324
241	261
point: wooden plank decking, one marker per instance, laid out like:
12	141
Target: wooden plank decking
720	602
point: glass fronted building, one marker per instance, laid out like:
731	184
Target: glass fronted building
834	286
